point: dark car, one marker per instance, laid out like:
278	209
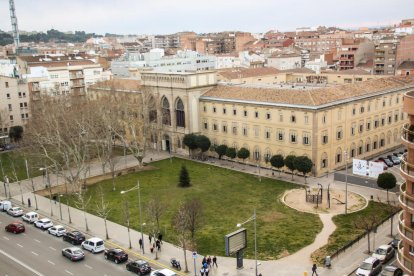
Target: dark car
391	270
386	161
116	254
138	267
73	253
395	160
15	227
397	154
395	241
74	237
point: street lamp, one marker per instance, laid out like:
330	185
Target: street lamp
50	189
137	187
255	236
346	182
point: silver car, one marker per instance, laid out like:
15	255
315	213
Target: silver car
73	253
15	211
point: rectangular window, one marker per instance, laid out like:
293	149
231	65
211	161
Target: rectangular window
280	135
360	150
244	130
306	119
353	111
256	114
339	134
214	126
225	128
8	95
382	121
306	139
268	116
10	107
11	117
396	117
293	137
323	119
234	128
214	109
234	112
224	110
353	130
375	145
293	119
205	125
325	138
376	123
338	158
280	117
361	127
382	142
389	119
204	108
256	131
7	84
267	133
368	126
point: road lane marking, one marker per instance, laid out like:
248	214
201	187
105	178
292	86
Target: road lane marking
37	241
52	248
50	262
34	253
67	271
6	238
21	263
19	245
88	266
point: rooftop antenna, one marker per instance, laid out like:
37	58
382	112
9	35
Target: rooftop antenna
15	29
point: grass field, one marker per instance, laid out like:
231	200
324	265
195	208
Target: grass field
14	158
228	198
346	230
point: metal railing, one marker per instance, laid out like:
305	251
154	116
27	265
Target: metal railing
406	200
405	262
407	132
406	167
405	232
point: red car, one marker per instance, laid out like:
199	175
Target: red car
15	227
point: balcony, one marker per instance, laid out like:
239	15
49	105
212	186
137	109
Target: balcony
407	135
405	232
77	75
408	106
406	169
406	201
404	262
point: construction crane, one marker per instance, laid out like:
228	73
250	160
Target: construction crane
15	28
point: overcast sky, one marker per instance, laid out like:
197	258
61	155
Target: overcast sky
170	16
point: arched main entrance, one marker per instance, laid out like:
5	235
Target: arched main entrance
166	143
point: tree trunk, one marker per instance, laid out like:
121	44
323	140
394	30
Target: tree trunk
106	230
86	220
304	175
185	258
292	175
369	242
392	223
387	197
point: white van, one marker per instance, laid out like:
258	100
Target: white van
94	245
30	217
5	205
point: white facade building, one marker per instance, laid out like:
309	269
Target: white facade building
285	61
227	61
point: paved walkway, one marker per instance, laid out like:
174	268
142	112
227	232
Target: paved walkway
294	264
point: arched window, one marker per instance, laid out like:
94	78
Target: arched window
166	115
375	143
256	154
179	113
382	140
338	156
360	147
152	110
368	145
352	152
267	155
324	160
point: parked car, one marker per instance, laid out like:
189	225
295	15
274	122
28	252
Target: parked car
57	230
15	227
43	223
5	205
384	253
391	270
139	267
397	154
73	253
93	245
371	266
116	254
395	241
15	211
385	167
395	160
74	237
30	217
386	161
163	272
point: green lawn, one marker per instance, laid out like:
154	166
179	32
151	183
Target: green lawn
14	158
228	198
346	230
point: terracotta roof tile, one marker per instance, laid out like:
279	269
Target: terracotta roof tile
406	65
231	74
314	97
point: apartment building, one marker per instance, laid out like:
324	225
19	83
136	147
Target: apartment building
62	74
405	251
406	68
405	50
352	53
223	43
285	61
14	103
385	56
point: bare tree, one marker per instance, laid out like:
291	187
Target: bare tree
368	224
103	208
155	210
194	212
181	226
81	202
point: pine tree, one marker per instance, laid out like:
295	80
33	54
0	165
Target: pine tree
184	178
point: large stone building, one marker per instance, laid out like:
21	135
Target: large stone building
363	119
405	251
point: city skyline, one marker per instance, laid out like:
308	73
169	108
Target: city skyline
163	17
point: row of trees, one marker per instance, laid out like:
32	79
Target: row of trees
50	35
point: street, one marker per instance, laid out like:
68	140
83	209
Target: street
35	252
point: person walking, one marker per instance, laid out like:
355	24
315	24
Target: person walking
215	261
160	237
206	271
140	243
150	237
202	271
203	261
29	203
314	270
158	243
209	261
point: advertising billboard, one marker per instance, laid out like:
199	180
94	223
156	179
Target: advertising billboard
359	167
235	241
375	169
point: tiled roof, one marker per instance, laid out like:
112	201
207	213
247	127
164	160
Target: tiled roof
62	63
247	72
118	84
406	65
311	97
355	71
302	70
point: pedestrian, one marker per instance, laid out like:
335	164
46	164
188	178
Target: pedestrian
314	270
29	203
150	237
206	271
215	261
158	243
202	271
160	237
205	265
203	261
209	261
140	243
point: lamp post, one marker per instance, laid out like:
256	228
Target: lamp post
4	181
50	189
255	236
137	187
346	182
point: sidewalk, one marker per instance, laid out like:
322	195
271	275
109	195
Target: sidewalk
294	264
